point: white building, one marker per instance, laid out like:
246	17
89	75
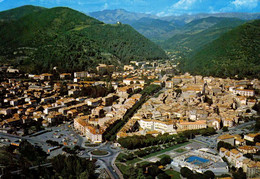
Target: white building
156	125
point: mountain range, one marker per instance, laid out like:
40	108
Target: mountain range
161	28
36	39
221	44
113	16
121	15
196	34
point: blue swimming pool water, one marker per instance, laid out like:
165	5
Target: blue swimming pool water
196	160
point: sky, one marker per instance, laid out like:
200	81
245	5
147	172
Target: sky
157	7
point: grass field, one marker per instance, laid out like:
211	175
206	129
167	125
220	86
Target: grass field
180	150
133	161
165	150
99	152
91	145
143	163
161	156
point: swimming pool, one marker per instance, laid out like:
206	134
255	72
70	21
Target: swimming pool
196	160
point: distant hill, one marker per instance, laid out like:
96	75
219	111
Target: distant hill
188	18
236	52
17	13
71	41
155	29
158	29
151	26
121	15
200	32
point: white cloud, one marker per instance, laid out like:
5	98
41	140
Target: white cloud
1	1
248	4
105	6
160	14
212	10
184	4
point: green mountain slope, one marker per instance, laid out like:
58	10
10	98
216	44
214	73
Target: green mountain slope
199	33
70	40
236	52
199	25
155	29
41	27
17	13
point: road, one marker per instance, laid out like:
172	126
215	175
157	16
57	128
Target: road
108	160
33	167
211	141
68	132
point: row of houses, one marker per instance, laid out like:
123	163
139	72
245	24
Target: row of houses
236	159
94	125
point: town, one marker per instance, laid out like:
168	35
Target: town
121	115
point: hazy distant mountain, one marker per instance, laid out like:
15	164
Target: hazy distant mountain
113	16
189	18
200	32
155	29
161	28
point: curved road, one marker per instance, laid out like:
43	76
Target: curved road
108	160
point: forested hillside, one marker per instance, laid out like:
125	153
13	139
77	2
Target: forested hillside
70	40
198	33
235	53
17	13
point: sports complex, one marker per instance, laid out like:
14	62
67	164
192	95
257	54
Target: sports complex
200	161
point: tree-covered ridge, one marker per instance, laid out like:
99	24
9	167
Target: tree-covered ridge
155	29
42	27
70	40
123	41
17	13
199	33
236	52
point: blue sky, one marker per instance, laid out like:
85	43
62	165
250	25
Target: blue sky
158	7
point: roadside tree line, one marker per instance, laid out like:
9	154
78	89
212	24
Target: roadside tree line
111	131
134	142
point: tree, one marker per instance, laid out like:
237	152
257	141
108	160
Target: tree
163	176
250	156
225	129
163	73
224	175
257	139
257	124
256	107
186	172
209	174
224	145
166	160
137	174
178	91
153	170
239	174
84	175
208	100
31	152
73	167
